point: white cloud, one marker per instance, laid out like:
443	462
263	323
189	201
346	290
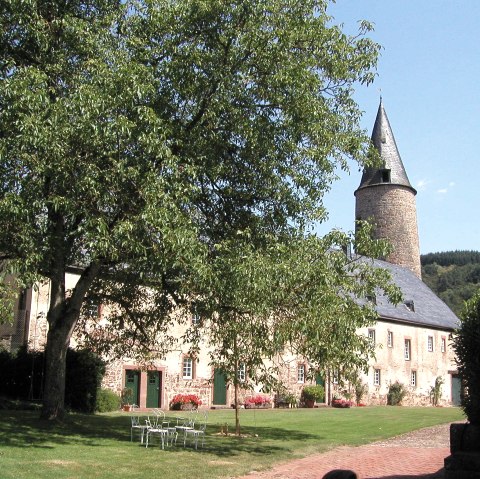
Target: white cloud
442	191
422	185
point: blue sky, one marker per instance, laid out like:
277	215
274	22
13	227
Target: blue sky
429	77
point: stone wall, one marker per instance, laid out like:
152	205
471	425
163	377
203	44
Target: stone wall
395	216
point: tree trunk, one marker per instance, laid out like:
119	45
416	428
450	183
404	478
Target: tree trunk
237	411
55	367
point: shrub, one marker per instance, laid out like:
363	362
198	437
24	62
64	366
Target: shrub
360	390
396	393
313	393
107	401
84	375
436	390
185	400
341	403
466	344
257	400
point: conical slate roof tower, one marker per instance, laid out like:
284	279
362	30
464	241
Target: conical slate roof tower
386	197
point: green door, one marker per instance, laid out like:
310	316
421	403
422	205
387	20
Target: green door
153	389
219	387
456	390
320	381
132	381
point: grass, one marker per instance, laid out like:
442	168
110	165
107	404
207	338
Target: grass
99	446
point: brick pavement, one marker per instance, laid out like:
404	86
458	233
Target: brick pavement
418	455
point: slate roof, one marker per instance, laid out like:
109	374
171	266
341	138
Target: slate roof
429	309
384	142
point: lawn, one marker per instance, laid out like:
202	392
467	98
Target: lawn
99	446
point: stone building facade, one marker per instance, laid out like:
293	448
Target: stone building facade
412	339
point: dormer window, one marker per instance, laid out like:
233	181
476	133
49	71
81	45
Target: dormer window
410	305
386	176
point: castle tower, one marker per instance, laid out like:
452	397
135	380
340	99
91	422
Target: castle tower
386	196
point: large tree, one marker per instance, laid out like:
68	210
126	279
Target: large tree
139	140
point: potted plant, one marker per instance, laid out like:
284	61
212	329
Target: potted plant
312	394
127	399
185	402
464	460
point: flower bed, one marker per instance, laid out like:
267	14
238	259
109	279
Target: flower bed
259	401
185	401
341	403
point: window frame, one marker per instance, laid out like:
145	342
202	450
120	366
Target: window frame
372	336
301	373
407	350
413	378
390	339
186	368
377	375
430	344
443	344
242	372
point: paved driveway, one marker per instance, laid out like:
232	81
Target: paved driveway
416	455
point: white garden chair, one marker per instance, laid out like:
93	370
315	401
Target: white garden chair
137	426
196	434
155	429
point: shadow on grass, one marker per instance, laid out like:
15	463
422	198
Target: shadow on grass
24	429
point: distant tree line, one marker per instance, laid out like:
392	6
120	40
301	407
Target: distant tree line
453	275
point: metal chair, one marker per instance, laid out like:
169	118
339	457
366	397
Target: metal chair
196	434
154	429
136	425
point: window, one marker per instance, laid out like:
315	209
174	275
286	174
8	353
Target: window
413	378
408	350
91	308
335	376
301	373
371	298
430	344
242	372
390	339
195	318
385	176
376	377
187	369
410	305
371	336
444	345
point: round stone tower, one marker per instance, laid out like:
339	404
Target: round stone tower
386	197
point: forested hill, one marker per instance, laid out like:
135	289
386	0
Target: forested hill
453	275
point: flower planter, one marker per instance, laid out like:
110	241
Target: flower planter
309	403
127	407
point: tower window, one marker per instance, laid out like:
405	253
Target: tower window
386	176
410	305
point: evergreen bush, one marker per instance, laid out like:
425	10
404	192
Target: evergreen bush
396	393
107	401
84	375
466	344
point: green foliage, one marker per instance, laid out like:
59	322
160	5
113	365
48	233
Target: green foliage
436	390
453	275
85	371
313	393
155	143
107	401
466	343
396	393
360	390
126	396
22	374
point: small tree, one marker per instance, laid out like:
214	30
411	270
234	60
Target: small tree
466	344
436	390
396	393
